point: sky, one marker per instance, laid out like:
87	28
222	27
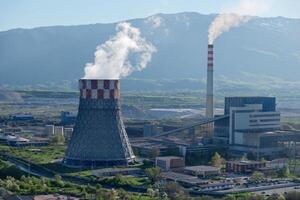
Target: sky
36	13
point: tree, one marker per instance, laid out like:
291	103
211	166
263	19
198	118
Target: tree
216	160
287	172
151	193
84	194
58	139
153	153
244	157
123	195
112	195
175	191
153	173
58	181
284	173
257	176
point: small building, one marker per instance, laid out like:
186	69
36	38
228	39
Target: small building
12	130
183	179
49	130
278	163
217	186
59	130
169	162
202	170
67	118
22	117
244	167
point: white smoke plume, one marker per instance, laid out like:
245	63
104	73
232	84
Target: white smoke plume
235	16
112	58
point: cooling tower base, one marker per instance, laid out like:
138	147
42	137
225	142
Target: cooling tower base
95	163
99	137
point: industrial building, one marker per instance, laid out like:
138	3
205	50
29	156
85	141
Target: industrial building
244	166
99	137
202	170
252	125
169	162
67	118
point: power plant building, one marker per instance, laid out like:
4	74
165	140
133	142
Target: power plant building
252	125
99	137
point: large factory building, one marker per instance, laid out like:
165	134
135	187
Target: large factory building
252	126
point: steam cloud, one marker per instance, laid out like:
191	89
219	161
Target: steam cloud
112	57
234	17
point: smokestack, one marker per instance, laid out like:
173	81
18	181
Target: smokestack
99	136
209	83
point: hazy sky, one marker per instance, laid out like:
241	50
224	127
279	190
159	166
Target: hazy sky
34	13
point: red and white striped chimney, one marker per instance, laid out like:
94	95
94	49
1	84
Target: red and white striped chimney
210	83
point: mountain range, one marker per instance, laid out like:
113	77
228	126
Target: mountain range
264	50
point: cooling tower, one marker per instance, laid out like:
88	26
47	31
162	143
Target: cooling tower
209	83
99	137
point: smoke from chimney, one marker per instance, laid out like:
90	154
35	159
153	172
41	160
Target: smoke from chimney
112	58
234	17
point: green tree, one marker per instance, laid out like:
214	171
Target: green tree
217	160
84	194
287	172
257	176
283	173
175	191
244	157
58	181
123	195
153	173
153	153
58	139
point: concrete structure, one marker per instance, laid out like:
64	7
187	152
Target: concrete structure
249	120
59	130
67	118
68	133
22	117
17	141
268	103
243	167
278	163
99	137
169	162
49	130
183	179
252	125
210	82
202	170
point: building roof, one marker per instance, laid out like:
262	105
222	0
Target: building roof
245	162
182	177
168	158
201	168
